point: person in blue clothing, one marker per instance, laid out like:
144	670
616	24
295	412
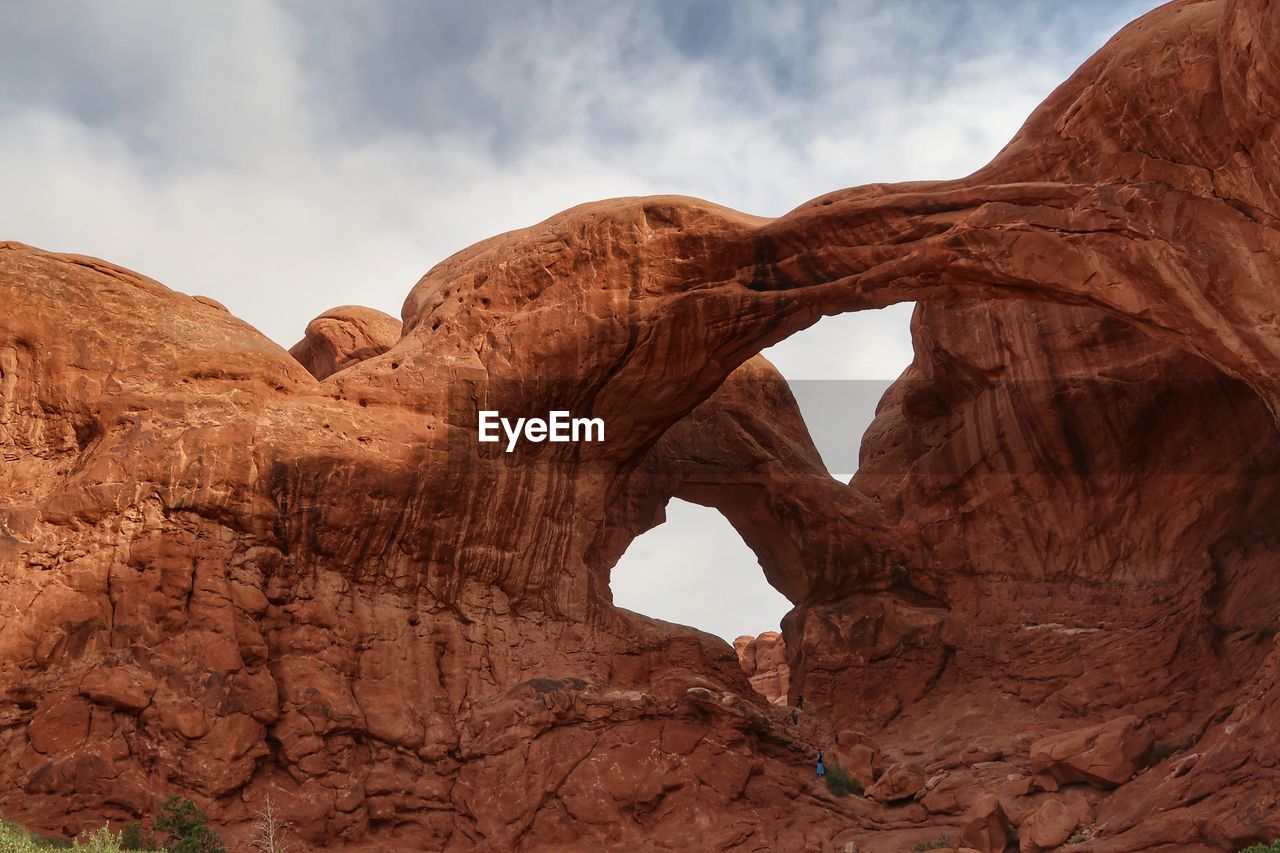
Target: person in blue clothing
822	768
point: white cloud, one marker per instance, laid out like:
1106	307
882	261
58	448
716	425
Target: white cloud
696	570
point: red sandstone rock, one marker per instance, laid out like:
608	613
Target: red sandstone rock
343	336
1046	828
212	303
222	578
118	687
764	660
899	782
1106	755
859	755
986	826
956	791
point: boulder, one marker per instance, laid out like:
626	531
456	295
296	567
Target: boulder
343	336
900	782
1104	755
125	688
1047	827
986	826
859	759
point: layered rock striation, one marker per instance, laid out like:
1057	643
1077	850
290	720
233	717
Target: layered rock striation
231	573
764	660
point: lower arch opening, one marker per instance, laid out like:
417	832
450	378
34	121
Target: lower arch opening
695	570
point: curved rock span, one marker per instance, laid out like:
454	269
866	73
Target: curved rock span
1044	609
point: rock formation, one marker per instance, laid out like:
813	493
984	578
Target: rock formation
1106	755
343	336
230	573
764	660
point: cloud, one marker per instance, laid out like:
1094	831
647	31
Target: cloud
286	156
697	571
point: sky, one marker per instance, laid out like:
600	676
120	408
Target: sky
287	156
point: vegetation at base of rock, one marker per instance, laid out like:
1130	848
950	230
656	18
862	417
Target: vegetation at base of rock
180	827
183	828
840	783
1273	847
943	842
134	837
15	839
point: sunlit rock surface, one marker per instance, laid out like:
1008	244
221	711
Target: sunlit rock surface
224	577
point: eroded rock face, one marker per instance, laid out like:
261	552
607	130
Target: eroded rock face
1105	755
899	782
343	336
764	660
1046	828
858	755
986	826
224	577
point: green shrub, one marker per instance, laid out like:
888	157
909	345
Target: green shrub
840	783
183	828
180	828
942	843
102	841
1273	847
134	837
15	839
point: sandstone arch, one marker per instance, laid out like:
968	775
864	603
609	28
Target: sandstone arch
297	586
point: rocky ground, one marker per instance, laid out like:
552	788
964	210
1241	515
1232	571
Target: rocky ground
1043	609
